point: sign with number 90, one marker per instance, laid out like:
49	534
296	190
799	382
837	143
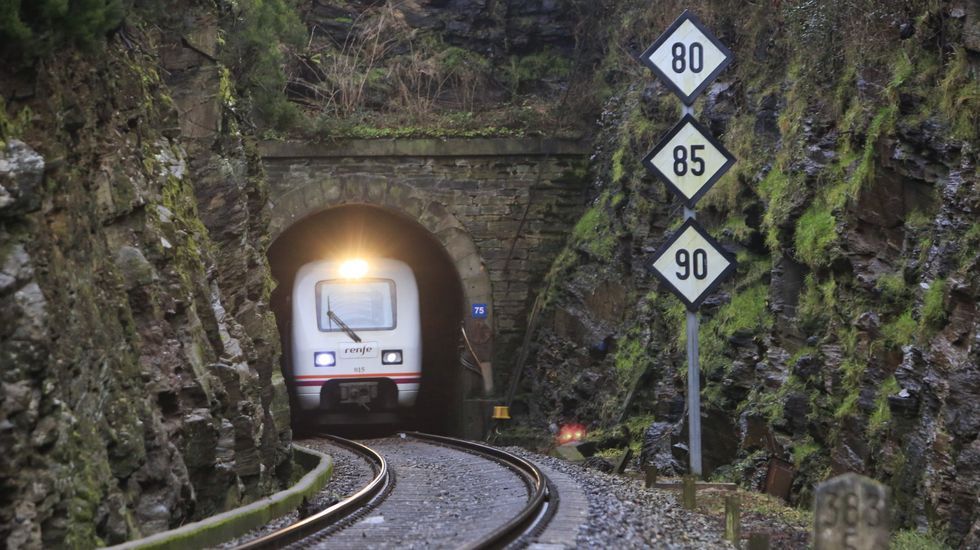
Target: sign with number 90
692	264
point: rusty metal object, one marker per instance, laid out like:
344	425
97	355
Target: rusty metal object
779	478
651	476
759	541
624	459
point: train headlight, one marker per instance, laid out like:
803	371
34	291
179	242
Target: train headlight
353	269
391	357
324	359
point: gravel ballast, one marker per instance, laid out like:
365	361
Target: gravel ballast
621	513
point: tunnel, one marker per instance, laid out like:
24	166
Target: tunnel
370	231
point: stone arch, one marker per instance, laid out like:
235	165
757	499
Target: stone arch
407	202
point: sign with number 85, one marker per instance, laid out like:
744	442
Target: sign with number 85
689	160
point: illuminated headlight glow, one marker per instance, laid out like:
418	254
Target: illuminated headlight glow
570	433
353	269
391	357
324	359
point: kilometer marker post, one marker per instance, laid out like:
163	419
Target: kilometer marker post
687	58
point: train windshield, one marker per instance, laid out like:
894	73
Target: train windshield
365	304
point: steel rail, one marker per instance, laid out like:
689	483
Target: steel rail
367	496
541	504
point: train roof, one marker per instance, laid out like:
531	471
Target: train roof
376	267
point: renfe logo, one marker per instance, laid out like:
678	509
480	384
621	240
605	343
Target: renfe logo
363	350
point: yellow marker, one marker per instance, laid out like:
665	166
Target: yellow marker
501	413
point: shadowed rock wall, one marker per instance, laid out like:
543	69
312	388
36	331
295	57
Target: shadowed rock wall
139	360
849	339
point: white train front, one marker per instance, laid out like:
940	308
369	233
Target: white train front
356	339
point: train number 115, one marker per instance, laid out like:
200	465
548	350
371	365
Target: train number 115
696	264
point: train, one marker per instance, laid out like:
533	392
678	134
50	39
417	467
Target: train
356	340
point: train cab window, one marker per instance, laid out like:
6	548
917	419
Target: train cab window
364	304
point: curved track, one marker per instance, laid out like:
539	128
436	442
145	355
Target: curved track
365	499
450	493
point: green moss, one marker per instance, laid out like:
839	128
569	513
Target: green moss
367	131
853	371
817	302
960	96
743	141
882	413
848	406
226	88
924	247
933	305
738	228
540	65
970	245
816	235
617	165
747	312
779	191
769	403
675	316
636	426
901	331
913	540
630	353
917	220
751	269
804	450
86	489
13	126
902	68
894	290
881	124
594	232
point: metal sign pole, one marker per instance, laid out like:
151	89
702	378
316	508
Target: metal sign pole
693	367
687	58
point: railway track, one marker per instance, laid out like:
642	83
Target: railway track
449	493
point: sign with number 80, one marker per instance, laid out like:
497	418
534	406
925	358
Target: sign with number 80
687	57
693	52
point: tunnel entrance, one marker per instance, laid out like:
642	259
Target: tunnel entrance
370	231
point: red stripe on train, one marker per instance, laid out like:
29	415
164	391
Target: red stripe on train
321	382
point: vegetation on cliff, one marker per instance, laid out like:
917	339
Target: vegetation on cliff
139	360
851	207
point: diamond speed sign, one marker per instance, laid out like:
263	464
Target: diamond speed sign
689	160
687	57
692	264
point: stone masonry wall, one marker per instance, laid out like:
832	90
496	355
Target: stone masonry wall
501	193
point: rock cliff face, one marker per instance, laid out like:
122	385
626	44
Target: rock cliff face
848	340
140	382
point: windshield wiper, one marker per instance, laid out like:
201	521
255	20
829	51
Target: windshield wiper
343	326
